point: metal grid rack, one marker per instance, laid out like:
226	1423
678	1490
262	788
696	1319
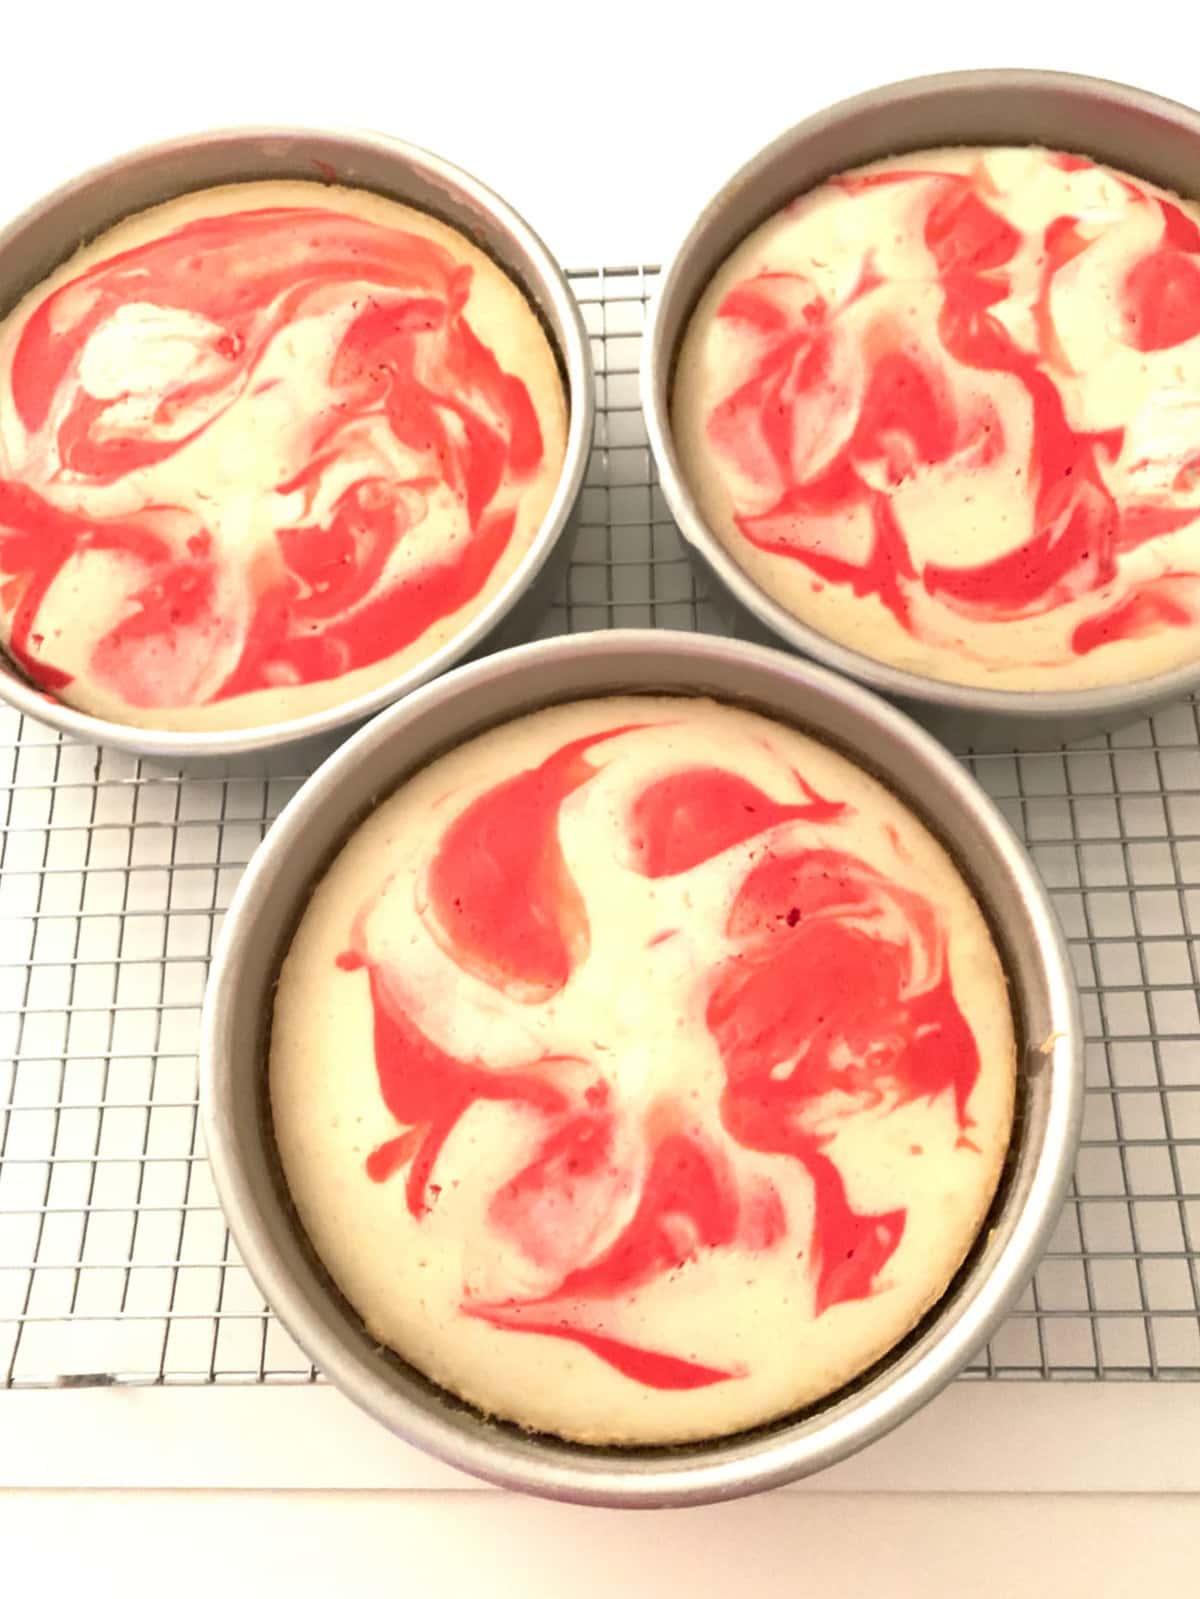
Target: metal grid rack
115	1264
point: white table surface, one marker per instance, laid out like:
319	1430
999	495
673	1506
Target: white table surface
607	125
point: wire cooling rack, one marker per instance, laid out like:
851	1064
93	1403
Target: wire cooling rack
115	1263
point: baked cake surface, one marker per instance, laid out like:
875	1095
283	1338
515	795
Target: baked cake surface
262	448
946	410
642	1070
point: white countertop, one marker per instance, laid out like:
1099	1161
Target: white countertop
995	1489
895	1546
607	125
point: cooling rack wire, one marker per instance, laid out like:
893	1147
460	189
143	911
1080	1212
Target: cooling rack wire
115	1264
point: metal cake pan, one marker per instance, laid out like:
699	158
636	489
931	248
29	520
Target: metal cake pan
49	232
1125	127
274	892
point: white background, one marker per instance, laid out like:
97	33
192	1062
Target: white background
605	122
607	125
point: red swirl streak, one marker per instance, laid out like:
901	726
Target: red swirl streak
815	1004
1162	291
835	993
1158	603
37	540
503	902
647	1366
1077	526
321	604
906	421
430	1090
687	1203
681	820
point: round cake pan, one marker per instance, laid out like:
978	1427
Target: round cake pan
273	895
1124	127
48	233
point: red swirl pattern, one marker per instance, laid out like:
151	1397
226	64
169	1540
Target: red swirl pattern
832	998
836	410
200	622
